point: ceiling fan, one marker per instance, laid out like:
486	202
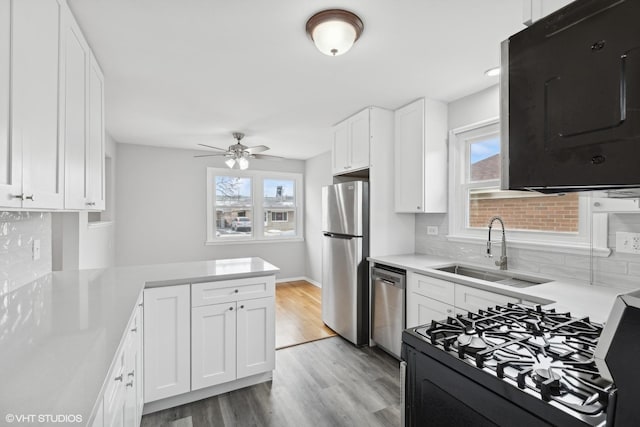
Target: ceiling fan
238	154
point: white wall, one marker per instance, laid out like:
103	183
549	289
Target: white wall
18	230
161	211
317	173
617	270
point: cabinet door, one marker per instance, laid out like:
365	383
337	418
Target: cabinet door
35	84
256	336
213	341
139	374
422	310
95	152
409	157
340	152
114	396
359	139
130	392
10	149
431	287
74	113
166	342
473	299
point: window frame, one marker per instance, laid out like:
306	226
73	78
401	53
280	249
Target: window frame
591	237
258	210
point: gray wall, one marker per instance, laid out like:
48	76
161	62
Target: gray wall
161	211
617	270
317	174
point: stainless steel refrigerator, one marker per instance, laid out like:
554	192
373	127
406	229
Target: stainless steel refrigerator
345	247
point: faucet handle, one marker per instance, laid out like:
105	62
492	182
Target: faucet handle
489	254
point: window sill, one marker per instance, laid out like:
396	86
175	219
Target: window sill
252	241
556	247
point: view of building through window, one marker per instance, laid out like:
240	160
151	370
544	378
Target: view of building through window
234	206
519	210
279	207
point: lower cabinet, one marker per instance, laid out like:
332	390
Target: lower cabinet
429	298
122	399
207	334
167	365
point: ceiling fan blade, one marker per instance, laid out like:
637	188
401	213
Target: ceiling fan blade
266	156
211	155
211	146
256	149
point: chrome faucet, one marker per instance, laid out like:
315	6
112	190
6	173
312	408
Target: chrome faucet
503	256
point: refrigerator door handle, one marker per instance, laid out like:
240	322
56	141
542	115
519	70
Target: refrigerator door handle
338	236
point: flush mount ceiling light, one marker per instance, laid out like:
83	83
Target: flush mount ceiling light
334	31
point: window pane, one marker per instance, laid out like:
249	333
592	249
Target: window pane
484	159
279	206
524	211
234	223
234	207
279	193
233	191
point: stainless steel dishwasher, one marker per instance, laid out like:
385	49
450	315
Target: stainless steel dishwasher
387	307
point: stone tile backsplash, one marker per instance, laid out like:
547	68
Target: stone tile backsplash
18	230
618	270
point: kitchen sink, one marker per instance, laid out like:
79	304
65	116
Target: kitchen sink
497	276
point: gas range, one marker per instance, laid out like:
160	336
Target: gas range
539	361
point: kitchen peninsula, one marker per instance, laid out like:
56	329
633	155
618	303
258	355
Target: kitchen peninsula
62	335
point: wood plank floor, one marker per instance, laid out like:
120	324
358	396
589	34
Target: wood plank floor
299	314
322	383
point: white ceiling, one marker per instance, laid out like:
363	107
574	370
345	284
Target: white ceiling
180	73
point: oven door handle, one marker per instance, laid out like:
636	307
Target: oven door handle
403	403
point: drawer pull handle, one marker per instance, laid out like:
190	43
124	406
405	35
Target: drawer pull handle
134	329
131	374
119	378
129	384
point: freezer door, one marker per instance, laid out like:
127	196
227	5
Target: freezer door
341	286
343	208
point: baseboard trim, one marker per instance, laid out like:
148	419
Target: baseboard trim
296	279
203	393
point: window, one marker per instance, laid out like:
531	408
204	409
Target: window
475	197
236	198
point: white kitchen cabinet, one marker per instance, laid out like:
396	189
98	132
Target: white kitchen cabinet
96	146
429	298
256	336
167	336
420	157
114	395
139	366
533	10
235	338
474	299
76	57
213	337
9	176
351	143
32	171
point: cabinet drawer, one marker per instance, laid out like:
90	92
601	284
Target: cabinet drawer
232	290
473	299
430	287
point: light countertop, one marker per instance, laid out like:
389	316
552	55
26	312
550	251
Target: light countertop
577	297
60	333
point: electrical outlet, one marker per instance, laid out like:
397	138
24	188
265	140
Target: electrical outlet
628	242
432	230
36	250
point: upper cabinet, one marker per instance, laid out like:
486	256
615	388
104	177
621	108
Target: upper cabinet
351	139
50	123
31	174
421	157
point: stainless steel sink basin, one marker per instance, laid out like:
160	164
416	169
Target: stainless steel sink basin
496	276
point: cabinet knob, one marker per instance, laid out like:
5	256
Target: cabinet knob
90	203
449	310
242	306
134	329
230	308
418	207
119	378
236	291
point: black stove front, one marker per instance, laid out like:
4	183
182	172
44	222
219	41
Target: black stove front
508	365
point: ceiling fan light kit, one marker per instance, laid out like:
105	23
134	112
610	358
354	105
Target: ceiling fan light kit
238	155
334	31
